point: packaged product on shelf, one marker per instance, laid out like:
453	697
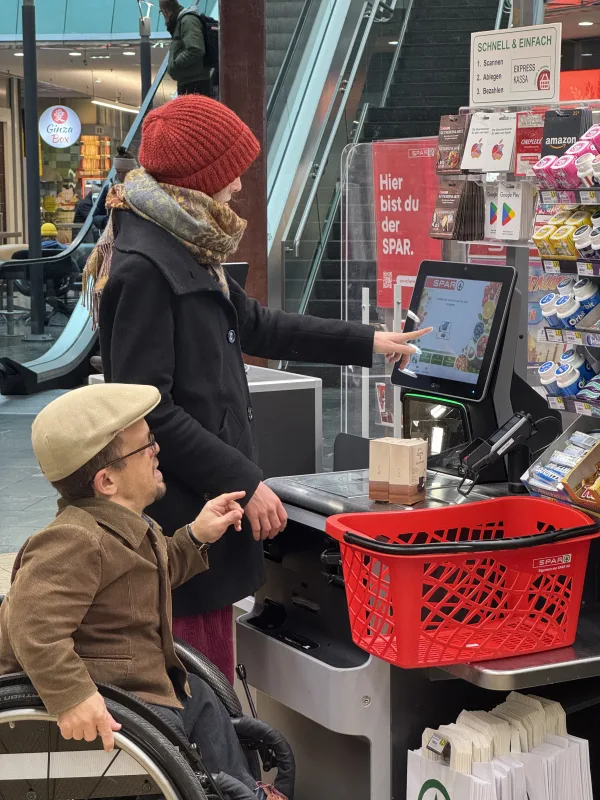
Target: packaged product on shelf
528	142
491	210
562	242
547	375
451	143
585	171
478	132
542	171
581	216
560	218
596	220
583	241
569	381
578	362
548	307
541	239
500	143
591	135
564	173
447	204
516	209
596	169
459	212
586	291
582	147
569	311
595	241
562	128
565	286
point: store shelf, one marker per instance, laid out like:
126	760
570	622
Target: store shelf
586	338
567	197
574	406
586	268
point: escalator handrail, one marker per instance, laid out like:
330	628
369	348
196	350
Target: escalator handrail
286	63
324	156
396	56
133	131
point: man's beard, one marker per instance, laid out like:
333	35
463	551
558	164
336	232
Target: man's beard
161	491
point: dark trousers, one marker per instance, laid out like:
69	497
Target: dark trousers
197	87
204	721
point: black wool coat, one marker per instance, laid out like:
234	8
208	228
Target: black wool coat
164	321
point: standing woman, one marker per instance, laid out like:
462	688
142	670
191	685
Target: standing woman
171	317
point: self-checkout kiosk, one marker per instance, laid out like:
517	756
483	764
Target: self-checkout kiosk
351	718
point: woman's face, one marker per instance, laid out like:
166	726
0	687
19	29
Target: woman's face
225	195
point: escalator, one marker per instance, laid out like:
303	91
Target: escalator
291	47
428	76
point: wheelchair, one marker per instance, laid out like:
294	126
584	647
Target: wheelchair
151	758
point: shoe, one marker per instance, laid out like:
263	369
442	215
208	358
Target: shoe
96	362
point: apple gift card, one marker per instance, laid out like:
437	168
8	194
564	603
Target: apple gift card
475	147
498	152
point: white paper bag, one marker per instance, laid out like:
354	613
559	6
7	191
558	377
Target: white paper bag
427	779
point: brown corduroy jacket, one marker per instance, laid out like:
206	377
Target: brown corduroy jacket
90	602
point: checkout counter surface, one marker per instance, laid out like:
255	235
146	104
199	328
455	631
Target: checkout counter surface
313	498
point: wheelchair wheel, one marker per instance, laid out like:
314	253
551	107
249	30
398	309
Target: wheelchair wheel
36	763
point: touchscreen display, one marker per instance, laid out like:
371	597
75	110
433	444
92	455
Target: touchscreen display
461	312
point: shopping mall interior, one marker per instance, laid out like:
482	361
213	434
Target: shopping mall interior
372	204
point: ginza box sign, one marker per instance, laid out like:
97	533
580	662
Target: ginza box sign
516	66
60	126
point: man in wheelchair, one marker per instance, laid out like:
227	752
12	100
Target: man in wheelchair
90	600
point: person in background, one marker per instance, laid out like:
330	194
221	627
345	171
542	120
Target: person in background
186	54
49	237
123	163
171	317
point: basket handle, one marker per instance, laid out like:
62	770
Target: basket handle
440	548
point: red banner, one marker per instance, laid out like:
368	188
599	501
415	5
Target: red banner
405	187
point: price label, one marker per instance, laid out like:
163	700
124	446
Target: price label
583	408
573	337
556	403
585	268
588	197
552	267
553	336
550	197
569	197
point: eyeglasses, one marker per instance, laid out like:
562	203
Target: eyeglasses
151	443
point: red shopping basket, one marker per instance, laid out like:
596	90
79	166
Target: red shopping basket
468	582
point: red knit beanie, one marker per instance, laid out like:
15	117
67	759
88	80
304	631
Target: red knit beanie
197	143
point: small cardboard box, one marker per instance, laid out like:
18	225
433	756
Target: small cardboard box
408	471
379	469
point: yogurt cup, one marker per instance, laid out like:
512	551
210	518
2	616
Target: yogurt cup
587	293
565	286
547	373
583	241
578	362
569	311
569	380
548	307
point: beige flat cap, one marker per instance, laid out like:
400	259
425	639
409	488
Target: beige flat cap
78	425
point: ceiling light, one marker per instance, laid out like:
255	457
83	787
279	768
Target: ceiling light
19	54
117	106
75	54
97	80
583	55
97	57
129	53
392	42
586	23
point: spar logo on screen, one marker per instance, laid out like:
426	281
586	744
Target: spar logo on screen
449	284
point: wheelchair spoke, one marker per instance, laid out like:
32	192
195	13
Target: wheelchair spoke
99	781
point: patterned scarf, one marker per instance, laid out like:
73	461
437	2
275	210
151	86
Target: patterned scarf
211	231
